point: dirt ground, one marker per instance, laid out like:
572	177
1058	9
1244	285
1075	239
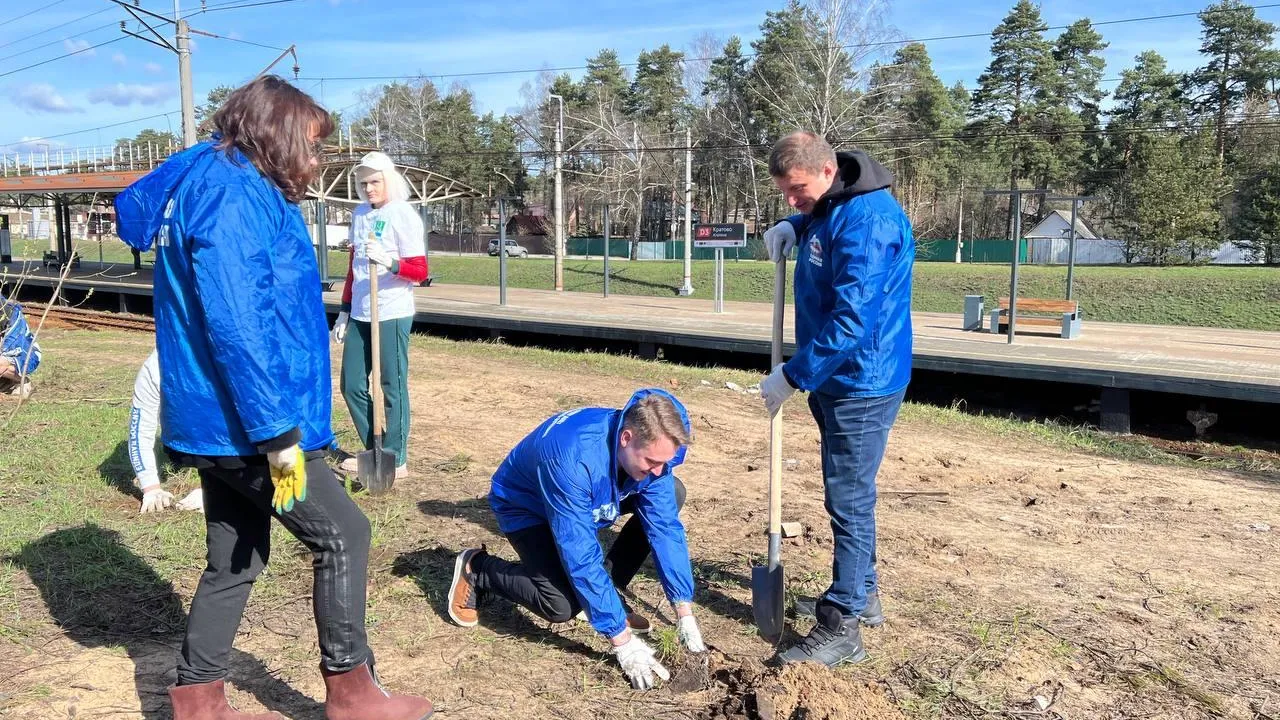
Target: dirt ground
1019	581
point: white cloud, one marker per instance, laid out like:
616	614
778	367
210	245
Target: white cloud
122	95
80	47
41	97
30	144
119	59
153	68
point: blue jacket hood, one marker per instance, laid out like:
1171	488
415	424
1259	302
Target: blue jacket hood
639	395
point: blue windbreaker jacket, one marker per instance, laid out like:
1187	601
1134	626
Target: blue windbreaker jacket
17	342
855	254
565	474
240	322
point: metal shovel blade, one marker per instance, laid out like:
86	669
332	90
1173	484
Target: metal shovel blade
767	593
376	468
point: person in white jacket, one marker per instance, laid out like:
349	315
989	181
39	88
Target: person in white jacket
386	237
144	415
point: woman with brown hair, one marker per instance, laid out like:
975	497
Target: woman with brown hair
244	361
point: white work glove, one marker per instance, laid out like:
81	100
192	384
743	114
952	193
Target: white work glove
775	390
193	501
639	663
377	254
780	240
155	499
690	635
339	333
283	460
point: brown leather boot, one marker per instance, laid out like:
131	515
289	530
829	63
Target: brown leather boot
356	695
208	701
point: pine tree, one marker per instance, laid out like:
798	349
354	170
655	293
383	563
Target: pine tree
1257	223
605	80
657	93
1008	103
1077	99
1240	63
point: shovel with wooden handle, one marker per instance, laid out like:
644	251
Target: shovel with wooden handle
376	468
767	587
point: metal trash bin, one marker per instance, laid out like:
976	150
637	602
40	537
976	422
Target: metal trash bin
973	305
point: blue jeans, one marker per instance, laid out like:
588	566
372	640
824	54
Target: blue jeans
854	434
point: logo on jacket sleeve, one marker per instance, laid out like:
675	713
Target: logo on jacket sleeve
815	251
605	513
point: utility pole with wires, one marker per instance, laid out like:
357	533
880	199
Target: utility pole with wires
181	46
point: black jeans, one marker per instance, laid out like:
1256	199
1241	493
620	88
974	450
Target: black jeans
237	510
539	583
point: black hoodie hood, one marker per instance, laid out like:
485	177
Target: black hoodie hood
858	175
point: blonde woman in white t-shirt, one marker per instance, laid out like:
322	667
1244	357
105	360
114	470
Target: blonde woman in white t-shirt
386	237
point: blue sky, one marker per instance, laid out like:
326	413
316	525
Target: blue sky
135	84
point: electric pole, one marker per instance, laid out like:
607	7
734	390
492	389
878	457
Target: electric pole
183	40
687	288
181	46
559	206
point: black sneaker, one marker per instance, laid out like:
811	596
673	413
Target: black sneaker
834	640
871	616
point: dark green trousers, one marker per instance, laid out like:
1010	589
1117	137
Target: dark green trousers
357	364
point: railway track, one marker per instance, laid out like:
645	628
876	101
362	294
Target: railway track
89	319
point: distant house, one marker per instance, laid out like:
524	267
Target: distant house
528	225
1048	243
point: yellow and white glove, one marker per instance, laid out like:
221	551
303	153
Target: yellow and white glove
289	475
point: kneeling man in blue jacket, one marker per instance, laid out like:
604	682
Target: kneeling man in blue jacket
572	476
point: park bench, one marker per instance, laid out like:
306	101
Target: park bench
1067	314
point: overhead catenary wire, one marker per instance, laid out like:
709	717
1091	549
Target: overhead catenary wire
798	51
60	25
238	4
94	129
42	8
60	57
873	141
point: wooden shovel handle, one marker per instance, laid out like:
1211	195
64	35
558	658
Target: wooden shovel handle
775	422
375	383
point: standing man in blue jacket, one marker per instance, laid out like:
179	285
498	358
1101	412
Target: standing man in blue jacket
572	476
853	357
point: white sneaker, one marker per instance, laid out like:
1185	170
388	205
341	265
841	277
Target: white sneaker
402	472
350	465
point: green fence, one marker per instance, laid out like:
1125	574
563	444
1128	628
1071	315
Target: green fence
981	250
670	250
